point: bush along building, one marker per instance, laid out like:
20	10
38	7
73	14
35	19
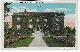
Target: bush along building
28	22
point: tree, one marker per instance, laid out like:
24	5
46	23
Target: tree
6	8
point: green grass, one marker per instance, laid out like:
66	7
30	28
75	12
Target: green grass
52	43
22	43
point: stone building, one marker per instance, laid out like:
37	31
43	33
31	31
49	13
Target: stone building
52	22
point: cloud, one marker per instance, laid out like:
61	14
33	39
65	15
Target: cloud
21	9
60	9
56	10
11	12
33	10
70	16
48	10
15	10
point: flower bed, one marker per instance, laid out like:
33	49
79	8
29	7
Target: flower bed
59	42
11	41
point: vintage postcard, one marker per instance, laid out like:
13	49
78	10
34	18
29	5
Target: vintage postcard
39	24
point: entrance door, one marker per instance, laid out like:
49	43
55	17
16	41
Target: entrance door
37	28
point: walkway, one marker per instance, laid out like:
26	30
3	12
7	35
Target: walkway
38	40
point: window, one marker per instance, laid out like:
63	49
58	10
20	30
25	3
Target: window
45	20
30	26
30	20
44	24
47	26
37	20
18	27
59	16
57	24
6	22
18	19
55	14
57	28
57	19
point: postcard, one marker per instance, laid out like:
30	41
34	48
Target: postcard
39	24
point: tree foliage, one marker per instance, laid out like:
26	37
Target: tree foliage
70	31
5	7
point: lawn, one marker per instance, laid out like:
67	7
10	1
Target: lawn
52	43
22	43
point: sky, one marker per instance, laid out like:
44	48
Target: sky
67	8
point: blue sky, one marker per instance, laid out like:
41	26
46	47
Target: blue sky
68	8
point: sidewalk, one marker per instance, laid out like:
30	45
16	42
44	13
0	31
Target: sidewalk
38	40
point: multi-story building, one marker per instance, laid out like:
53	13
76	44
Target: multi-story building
52	22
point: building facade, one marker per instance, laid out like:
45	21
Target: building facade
52	22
